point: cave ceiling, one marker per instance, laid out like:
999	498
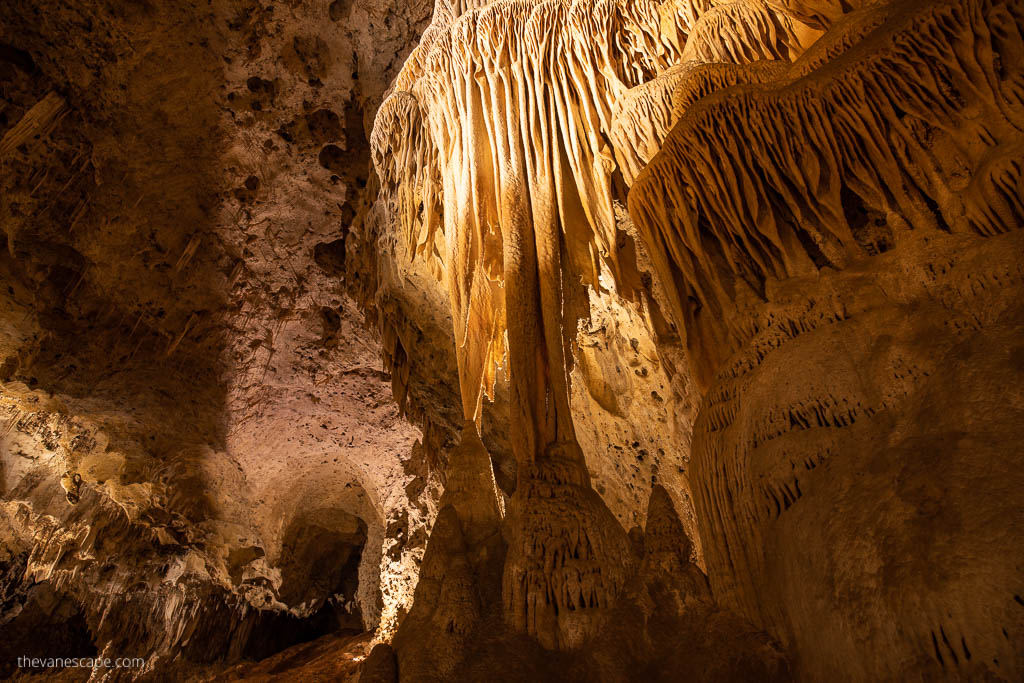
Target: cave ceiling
568	340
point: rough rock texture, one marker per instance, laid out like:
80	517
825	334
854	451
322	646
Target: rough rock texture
380	665
176	181
331	658
821	248
689	333
851	304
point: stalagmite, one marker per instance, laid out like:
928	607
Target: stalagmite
498	136
526	340
775	213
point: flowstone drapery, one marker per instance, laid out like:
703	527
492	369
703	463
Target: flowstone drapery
823	201
840	245
495	152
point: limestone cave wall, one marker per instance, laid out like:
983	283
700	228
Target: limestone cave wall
810	214
575	340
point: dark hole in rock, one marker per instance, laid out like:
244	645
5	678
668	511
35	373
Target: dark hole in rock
258	85
49	624
869	226
239	557
277	631
19	58
332	158
331	320
355	132
330	256
324	126
319	576
321	561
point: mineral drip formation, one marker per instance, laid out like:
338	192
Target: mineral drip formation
799	176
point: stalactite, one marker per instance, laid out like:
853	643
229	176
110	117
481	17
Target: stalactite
503	140
894	132
789	218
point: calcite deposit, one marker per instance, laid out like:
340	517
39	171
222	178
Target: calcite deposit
569	340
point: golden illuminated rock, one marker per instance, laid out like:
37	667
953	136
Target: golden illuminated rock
568	340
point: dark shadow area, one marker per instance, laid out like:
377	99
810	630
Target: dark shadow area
320	571
111	213
110	218
41	623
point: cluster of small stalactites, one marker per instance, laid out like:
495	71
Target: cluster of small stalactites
567	562
522	122
759	182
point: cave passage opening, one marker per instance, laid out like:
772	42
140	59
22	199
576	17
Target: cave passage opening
320	583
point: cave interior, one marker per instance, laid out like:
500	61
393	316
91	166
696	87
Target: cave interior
512	340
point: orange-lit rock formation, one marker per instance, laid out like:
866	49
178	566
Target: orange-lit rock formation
575	340
823	205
